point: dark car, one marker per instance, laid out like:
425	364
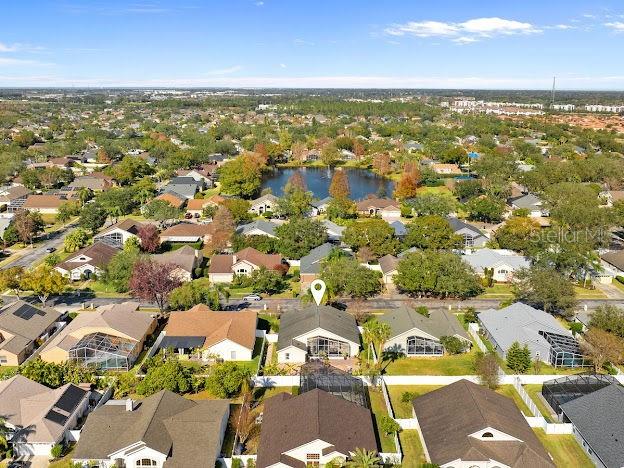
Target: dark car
50	249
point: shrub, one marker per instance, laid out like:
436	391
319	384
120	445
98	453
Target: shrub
388	425
56	451
237	463
407	397
453	345
422	310
226	379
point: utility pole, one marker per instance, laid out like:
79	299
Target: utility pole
552	94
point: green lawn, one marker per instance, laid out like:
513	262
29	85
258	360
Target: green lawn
255	357
534	391
497	291
582	293
403	410
413	454
378	407
565	450
452	364
510	392
262	393
101	289
442	189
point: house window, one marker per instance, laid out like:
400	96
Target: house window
468	240
487	434
287	356
321	346
503	272
313	459
146	462
232	354
3	360
419	346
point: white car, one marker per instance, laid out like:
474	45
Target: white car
252	297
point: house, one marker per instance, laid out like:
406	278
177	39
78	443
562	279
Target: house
87	262
547	340
37	417
110	337
92	182
186	259
412	146
187	187
244	262
263	204
503	263
174	199
312	429
259	227
205	174
383	207
117	234
467	425
414	334
310	265
229	336
388	264
162	430
613	261
320	206
471	236
12	198
446	169
334	231
597	420
316	332
529	202
187	232
44	204
23	328
196	206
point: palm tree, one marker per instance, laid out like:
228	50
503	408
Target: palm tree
4	443
362	458
115	212
84	195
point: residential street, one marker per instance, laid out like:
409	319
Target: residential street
32	256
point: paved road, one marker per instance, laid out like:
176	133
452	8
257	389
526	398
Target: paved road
54	239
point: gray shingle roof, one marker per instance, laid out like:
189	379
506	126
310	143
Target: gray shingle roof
439	323
489	258
294	323
26	322
262	225
457	225
399	228
599	417
311	263
528	201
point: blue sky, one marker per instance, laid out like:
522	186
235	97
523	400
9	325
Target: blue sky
319	43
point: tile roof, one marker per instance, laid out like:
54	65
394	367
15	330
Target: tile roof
291	421
200	321
449	415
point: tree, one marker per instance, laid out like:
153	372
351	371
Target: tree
92	217
375	234
339	186
44	281
453	345
160	210
517	234
546	289
388	425
198	291
376	334
150	240
300	235
341	208
226	379
12	279
486	209
436	274
468	189
75	240
432	204
223	229
407	186
363	458
239	209
609	318
66	211
296	181
119	269
241	177
153	281
602	347
27	225
295	203
518	358
487	369
345	276
330	155
165	374
11	236
267	281
431	232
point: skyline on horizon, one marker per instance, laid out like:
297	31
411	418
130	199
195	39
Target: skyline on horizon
323	44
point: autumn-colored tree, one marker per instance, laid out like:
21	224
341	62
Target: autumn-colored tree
339	186
602	347
261	150
296	181
44	281
224	227
358	149
381	163
153	281
11	279
408	185
102	156
150	240
329	155
299	151
28	225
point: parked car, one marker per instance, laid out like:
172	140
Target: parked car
188	215
252	297
50	249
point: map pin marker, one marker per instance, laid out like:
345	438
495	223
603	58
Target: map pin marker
318	290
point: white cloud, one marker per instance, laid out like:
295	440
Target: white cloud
465	32
282	65
302	42
225	71
617	26
10	61
259	4
8	48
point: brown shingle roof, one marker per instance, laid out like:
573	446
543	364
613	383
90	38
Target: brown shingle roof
129	225
379	203
100	253
449	415
251	255
43	201
292	421
239	327
187	229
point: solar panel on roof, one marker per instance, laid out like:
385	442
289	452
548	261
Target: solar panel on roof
56	417
70	399
27	312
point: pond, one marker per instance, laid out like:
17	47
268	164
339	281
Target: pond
361	181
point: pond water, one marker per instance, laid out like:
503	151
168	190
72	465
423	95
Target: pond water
361	181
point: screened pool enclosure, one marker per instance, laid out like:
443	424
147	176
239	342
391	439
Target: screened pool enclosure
316	374
104	351
564	350
559	391
320	346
